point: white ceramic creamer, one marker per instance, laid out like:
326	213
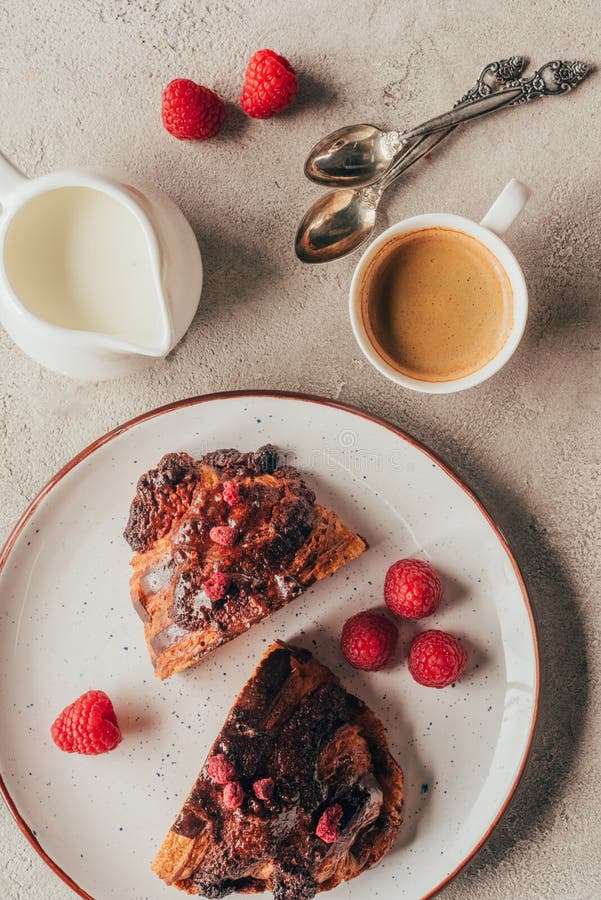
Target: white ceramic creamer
98	277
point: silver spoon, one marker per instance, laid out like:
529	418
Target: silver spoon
358	155
342	220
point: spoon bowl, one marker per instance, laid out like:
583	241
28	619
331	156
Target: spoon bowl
335	225
351	157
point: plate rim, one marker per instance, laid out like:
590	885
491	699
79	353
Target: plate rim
321	401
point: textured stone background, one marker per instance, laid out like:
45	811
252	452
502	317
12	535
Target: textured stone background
80	84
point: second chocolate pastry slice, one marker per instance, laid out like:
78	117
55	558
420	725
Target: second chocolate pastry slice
299	791
222	542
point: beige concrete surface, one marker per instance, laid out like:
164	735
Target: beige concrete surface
80	84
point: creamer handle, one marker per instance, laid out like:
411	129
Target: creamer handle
10	178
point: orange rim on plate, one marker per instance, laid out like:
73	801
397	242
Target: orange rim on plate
305	398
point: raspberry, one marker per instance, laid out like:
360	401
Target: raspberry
270	85
215	587
88	725
221	769
224	535
231	493
368	641
436	659
328	827
412	589
190	111
263	788
233	795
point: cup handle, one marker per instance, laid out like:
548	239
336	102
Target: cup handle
10	178
507	207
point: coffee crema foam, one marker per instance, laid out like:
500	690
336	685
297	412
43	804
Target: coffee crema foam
437	304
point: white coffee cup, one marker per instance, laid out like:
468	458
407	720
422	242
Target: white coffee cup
495	223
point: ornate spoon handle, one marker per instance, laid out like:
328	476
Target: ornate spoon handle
555	77
492	77
495	75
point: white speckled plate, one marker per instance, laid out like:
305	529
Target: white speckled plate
67	625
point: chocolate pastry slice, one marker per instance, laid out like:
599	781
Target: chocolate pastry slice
221	543
299	791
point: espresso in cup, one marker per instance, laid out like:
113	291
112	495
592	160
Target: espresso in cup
436	304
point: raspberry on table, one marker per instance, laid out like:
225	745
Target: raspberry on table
412	589
263	788
231	493
270	85
369	641
221	769
190	111
436	659
224	535
215	587
233	795
328	827
88	725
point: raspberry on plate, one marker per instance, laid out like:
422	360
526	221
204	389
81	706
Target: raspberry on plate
436	659
412	589
191	112
270	85
88	725
368	641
